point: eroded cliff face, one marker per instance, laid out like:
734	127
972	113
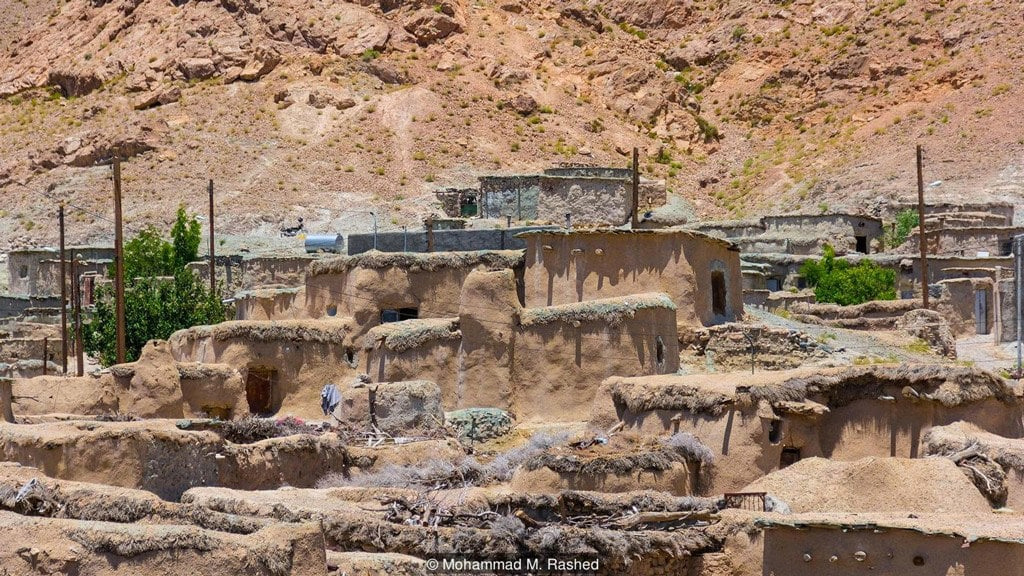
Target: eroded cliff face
743	107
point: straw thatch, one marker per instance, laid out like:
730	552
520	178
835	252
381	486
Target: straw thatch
610	311
947	385
639	396
415	262
409	334
318	331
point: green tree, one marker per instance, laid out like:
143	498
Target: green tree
839	282
906	221
161	294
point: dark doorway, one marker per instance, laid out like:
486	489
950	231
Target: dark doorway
259	389
862	244
398	314
659	352
775	431
718	292
773	284
790	455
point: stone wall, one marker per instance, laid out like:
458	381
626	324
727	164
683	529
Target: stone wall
591	201
444	240
37	272
515	196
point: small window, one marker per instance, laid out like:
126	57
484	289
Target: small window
399	314
23	271
350	357
332	310
862	244
718	292
773	284
790	455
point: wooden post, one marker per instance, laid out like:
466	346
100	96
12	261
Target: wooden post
118	265
63	297
213	267
430	233
46	354
920	229
634	215
76	298
6	399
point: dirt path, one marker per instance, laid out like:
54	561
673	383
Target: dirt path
847	345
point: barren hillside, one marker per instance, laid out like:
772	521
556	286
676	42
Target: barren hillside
324	109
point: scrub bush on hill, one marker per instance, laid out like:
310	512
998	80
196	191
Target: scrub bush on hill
839	282
161	294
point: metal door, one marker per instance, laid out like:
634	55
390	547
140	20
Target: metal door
981	311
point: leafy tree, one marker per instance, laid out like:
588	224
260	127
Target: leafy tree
161	294
906	221
840	282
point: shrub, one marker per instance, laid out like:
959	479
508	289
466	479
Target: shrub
839	282
906	221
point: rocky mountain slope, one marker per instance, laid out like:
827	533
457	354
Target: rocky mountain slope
327	110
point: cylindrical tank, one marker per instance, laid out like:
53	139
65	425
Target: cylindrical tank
325	243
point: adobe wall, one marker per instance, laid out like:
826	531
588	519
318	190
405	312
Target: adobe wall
887	551
305	355
65	546
565	268
958	302
269	304
1004	209
37	272
1007	329
837	226
739	432
540	367
591	201
420	350
239	274
360	289
155	455
559	364
965	241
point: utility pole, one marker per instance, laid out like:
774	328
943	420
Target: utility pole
634	216
1018	271
63	296
213	268
920	228
46	354
118	265
76	298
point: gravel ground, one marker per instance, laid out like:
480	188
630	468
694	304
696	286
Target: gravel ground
847	345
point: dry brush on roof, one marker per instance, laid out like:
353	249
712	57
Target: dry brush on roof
619	528
639	396
945	384
417	261
319	331
611	311
409	334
